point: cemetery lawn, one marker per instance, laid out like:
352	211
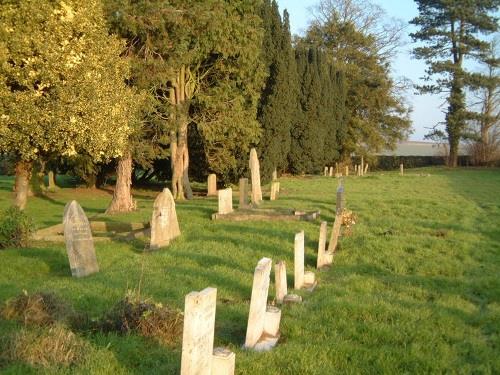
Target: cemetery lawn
414	289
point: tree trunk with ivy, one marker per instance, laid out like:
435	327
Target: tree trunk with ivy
122	197
22	183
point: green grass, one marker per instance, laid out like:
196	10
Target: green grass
415	289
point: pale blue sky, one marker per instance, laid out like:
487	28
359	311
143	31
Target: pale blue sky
426	108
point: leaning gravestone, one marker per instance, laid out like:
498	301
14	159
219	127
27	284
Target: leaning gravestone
243	193
339	208
324	258
212	185
302	279
225	201
263	321
255	174
198	356
164	224
366	169
79	241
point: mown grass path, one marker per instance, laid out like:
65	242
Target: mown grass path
415	289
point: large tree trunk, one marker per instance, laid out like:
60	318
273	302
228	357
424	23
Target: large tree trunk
181	187
52	181
22	183
122	197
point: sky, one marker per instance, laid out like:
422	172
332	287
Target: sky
427	109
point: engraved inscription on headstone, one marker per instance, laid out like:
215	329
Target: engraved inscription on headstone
164	224
79	241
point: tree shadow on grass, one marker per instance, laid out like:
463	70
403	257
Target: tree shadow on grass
57	263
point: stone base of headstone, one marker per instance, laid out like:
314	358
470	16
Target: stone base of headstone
223	362
292	298
267	214
309	281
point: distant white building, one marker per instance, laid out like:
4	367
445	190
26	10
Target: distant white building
421	148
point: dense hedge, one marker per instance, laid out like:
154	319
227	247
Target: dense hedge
393	162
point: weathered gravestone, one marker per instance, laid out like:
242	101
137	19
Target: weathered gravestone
326	171
255	175
339	208
324	258
401	169
302	279
212	185
79	241
362	166
330	173
243	193
198	356
225	201
355	169
164	224
275	175
263	321
275	187
366	169
346	171
281	287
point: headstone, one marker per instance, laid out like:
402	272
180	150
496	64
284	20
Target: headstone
340	204
346	171
275	174
362	165
262	322
299	260
225	201
326	171
366	169
79	241
331	172
274	190
280	283
401	169
255	174
212	185
198	332
243	193
164	224
355	168
337	168
359	170
323	258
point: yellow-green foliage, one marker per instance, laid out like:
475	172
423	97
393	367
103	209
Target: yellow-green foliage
62	81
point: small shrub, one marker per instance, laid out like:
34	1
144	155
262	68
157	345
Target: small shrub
16	228
46	347
42	309
145	318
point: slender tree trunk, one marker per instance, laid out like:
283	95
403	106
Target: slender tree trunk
122	197
52	181
181	188
22	183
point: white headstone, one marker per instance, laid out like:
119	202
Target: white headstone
326	171
212	185
164	224
299	260
275	185
255	174
322	256
331	172
258	303
79	241
225	201
280	281
346	170
401	169
223	362
198	333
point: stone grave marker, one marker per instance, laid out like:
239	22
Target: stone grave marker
243	203
164	224
275	175
366	169
302	279
401	169
263	321
324	258
198	356
330	173
225	201
340	204
212	185
346	171
362	166
280	281
275	186
255	174
79	241
326	172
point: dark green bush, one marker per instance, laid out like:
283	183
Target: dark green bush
16	228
